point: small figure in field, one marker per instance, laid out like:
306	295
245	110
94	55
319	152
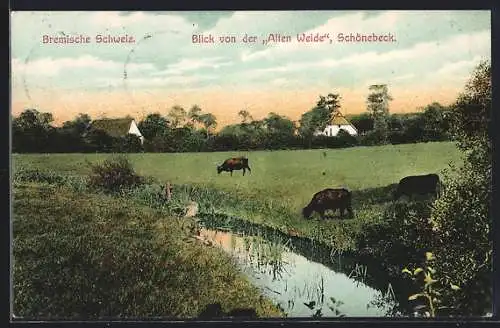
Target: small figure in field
329	199
235	163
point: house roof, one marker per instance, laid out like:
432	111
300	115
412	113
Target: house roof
339	119
115	127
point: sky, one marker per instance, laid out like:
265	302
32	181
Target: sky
430	57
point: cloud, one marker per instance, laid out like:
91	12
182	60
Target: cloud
53	67
115	19
457	45
359	22
459	67
185	65
428	44
155	81
403	77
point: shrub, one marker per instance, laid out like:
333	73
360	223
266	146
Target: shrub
128	144
114	174
461	217
35	175
405	234
372	138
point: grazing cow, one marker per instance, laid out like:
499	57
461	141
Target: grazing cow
329	199
236	163
418	185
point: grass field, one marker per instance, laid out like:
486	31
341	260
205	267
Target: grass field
89	256
281	182
290	177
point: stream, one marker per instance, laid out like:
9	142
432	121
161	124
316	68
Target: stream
301	286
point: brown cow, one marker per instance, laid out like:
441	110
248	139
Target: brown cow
235	163
329	199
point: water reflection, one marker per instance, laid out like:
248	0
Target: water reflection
303	288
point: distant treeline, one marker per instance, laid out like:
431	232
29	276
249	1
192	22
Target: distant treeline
181	131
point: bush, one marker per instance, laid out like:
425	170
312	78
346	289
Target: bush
128	144
35	175
462	226
372	138
114	175
461	219
405	235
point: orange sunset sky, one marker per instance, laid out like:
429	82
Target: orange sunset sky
430	59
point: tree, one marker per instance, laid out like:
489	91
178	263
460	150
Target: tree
320	116
177	116
279	129
245	116
434	122
31	131
194	115
153	125
378	107
209	121
33	119
460	218
279	125
79	125
99	141
363	122
130	143
69	138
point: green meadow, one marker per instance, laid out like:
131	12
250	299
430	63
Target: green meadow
290	177
281	182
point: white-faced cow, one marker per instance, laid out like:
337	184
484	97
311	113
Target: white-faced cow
232	164
418	185
329	199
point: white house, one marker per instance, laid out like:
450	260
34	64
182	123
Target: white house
118	127
339	122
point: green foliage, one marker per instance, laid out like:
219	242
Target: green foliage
404	231
153	125
373	138
362	122
378	107
36	175
31	131
114	174
461	219
319	117
430	289
194	131
209	122
130	143
99	141
177	116
88	257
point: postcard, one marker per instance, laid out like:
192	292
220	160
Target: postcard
250	164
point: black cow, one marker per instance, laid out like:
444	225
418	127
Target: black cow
329	199
236	163
418	185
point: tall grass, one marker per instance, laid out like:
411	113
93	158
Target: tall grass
88	256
